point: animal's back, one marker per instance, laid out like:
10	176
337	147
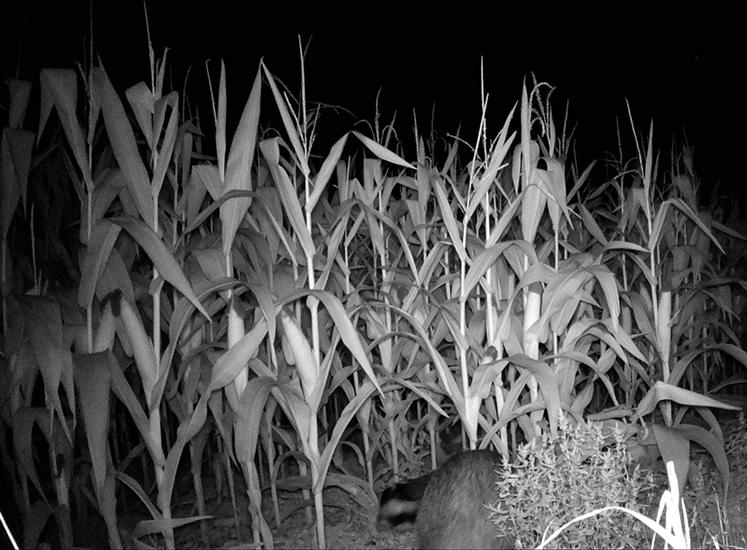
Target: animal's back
452	513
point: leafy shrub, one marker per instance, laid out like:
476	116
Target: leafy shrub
559	477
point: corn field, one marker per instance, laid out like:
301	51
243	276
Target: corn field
182	307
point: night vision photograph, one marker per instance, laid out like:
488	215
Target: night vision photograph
372	276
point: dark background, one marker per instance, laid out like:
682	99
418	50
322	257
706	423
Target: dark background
679	67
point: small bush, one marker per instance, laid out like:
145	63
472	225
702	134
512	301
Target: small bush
559	477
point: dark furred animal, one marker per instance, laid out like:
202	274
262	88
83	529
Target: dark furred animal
398	505
452	512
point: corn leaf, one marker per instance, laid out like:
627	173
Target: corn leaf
382	152
239	166
93	382
103	237
123	144
161	257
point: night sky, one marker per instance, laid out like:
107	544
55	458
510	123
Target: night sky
682	70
